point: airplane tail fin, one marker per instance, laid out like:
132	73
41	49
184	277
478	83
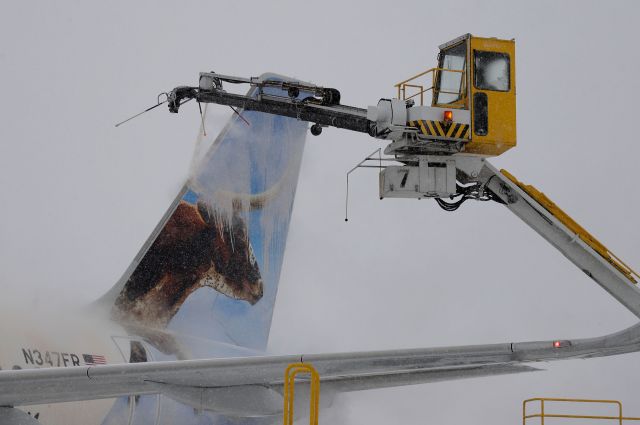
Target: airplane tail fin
211	267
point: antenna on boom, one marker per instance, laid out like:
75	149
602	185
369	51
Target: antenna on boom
166	95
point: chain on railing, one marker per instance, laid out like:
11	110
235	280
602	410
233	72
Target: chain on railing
544	413
289	394
421	90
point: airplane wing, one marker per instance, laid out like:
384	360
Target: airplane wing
212	384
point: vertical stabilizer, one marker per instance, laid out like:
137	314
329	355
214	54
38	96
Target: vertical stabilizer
211	267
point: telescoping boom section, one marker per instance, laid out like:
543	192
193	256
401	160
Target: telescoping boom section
440	129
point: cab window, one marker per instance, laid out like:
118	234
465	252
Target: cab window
450	86
491	71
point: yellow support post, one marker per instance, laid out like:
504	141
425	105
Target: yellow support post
289	392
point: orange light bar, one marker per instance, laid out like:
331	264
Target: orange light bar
448	116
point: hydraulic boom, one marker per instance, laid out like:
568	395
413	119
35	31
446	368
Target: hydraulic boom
319	105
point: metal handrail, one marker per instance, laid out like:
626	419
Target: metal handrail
542	415
402	85
421	92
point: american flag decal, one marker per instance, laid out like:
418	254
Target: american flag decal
93	359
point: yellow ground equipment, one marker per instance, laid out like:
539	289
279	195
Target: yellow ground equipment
289	392
545	403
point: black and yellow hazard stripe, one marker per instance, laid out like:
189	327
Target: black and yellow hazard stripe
439	128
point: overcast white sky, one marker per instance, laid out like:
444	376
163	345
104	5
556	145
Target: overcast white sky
80	196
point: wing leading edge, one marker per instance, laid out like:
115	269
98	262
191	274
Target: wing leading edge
262	377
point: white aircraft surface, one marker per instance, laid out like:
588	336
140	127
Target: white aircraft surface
181	337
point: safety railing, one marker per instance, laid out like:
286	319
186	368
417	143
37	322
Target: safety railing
289	392
544	413
418	85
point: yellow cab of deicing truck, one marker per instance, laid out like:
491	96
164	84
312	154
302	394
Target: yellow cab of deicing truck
476	78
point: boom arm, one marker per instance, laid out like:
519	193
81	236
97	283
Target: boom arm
582	249
318	104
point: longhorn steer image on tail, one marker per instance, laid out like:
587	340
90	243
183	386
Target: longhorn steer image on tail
198	247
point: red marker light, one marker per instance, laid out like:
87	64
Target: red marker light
448	116
565	343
